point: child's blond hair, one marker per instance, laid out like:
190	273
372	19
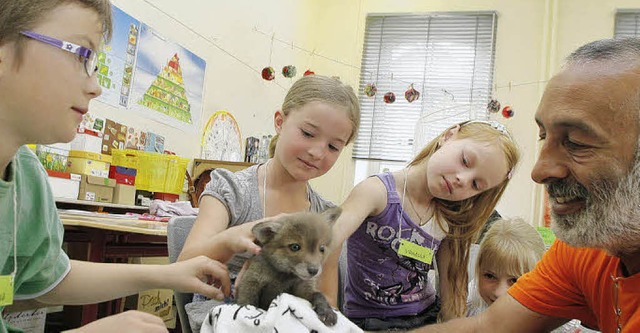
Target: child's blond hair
510	247
465	218
318	88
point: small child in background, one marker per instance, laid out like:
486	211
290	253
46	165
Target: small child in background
399	224
509	249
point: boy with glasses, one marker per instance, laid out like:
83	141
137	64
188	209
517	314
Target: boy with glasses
48	54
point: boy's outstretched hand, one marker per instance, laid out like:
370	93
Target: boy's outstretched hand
199	275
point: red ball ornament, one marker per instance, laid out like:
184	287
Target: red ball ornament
411	94
268	73
308	72
507	112
289	71
389	97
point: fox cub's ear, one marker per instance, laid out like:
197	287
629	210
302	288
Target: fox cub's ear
265	231
332	214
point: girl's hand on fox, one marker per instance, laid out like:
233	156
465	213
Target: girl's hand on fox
240	239
201	275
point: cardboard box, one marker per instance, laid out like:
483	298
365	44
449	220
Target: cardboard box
124	194
158	302
97	189
87	163
115	136
64	185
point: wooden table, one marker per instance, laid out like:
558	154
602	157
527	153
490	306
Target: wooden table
99	238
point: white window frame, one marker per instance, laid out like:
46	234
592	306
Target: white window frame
387	61
627	23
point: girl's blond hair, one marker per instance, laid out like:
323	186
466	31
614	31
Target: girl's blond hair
510	247
466	217
21	15
318	88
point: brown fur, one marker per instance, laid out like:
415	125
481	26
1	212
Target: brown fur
294	248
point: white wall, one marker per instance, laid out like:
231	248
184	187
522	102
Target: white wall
229	84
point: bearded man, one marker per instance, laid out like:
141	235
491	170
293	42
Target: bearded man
589	125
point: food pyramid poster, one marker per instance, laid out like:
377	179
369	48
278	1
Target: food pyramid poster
169	81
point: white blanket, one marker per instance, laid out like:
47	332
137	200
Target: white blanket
287	313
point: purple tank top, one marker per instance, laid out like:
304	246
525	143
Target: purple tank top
380	283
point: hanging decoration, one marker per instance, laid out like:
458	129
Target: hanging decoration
493	106
411	94
268	73
389	97
309	72
370	89
289	71
507	112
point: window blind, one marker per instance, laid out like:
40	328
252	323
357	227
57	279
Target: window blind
627	23
448	57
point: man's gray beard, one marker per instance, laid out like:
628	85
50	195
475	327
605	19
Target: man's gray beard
611	219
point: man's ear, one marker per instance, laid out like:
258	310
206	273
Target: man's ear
265	231
448	135
278	120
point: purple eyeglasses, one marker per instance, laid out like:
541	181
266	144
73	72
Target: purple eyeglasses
88	55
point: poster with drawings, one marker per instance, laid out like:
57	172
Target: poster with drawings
168	82
116	61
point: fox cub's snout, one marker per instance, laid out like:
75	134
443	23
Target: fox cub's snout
294	248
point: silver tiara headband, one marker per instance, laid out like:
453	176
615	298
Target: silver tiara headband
494	124
497	126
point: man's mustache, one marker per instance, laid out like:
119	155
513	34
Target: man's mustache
566	188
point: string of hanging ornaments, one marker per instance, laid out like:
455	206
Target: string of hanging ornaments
412	95
370	90
288	71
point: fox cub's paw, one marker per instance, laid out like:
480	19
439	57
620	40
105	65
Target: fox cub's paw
326	314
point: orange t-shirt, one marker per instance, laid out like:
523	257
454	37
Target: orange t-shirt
577	283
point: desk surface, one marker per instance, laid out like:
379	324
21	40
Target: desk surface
100	204
115	224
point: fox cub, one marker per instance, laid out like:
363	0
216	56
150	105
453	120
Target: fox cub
294	248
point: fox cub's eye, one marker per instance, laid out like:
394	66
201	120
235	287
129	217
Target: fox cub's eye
294	247
322	248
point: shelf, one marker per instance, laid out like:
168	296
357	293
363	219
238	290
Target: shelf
200	165
99	206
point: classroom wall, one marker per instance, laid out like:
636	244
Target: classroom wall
533	37
222	33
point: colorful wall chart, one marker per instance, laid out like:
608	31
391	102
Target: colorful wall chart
117	60
169	81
